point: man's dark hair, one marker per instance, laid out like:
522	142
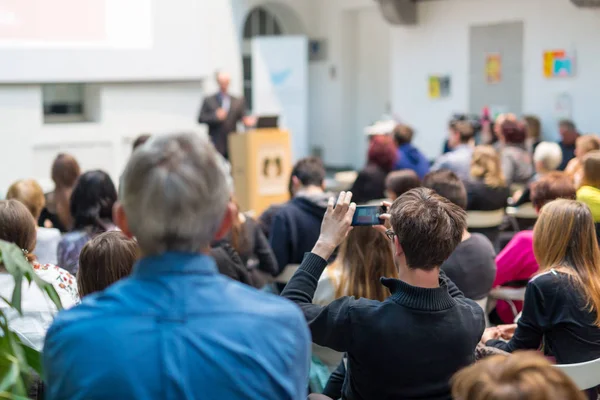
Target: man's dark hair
403	134
445	183
140	140
465	131
400	182
567	123
310	171
428	227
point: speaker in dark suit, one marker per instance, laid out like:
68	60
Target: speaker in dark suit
221	112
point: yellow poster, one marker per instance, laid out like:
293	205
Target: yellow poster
434	87
493	68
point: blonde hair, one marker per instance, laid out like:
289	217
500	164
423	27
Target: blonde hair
591	169
364	257
522	375
485	165
30	193
587	143
564	238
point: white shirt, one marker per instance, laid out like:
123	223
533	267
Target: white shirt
47	244
38	310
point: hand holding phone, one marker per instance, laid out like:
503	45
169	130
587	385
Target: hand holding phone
368	215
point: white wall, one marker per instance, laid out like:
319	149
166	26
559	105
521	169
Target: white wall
439	45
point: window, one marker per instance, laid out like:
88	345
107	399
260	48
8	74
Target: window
69	102
260	22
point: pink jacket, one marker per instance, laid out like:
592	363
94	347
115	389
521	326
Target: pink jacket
515	262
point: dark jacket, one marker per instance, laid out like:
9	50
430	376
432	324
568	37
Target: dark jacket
220	130
369	184
406	347
230	264
409	157
568	153
482	197
296	228
555	313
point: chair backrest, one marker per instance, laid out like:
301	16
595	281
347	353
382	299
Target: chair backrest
524	211
586	375
485	219
508	293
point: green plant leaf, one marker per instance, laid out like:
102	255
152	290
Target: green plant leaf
10	378
33	358
12	396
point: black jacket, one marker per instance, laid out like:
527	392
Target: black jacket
407	347
220	130
296	228
482	197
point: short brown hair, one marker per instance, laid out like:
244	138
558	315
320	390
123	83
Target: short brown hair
447	184
403	134
30	193
400	182
104	260
18	226
428	227
309	171
522	375
591	169
552	186
65	170
533	126
568	124
513	132
464	130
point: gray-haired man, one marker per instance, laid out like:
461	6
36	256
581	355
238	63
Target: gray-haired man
177	329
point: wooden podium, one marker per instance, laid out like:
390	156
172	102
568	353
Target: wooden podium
261	167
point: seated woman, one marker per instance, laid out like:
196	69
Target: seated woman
370	182
583	145
104	260
589	192
562	303
91	206
516	160
29	192
487	189
399	182
524	375
516	263
547	157
18	226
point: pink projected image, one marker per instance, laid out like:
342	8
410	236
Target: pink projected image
53	20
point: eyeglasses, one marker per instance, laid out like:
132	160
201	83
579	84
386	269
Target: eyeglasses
390	234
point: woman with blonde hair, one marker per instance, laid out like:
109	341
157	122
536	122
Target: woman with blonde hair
524	375
30	193
589	192
562	302
487	189
583	145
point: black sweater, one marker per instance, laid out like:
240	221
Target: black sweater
555	311
406	347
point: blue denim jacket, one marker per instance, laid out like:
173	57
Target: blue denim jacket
177	329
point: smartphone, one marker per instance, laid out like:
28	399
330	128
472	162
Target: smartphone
368	215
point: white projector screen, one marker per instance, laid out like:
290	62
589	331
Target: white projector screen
101	40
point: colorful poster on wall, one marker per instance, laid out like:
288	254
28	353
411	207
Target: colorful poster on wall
493	68
558	63
439	86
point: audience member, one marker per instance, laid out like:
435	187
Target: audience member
459	159
254	250
140	140
487	189
174	309
471	265
91	207
408	156
533	129
56	214
497	129
523	375
104	260
399	182
583	145
425	315
568	133
296	225
589	192
516	161
30	193
516	263
560	312
265	221
370	182
17	226
546	158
